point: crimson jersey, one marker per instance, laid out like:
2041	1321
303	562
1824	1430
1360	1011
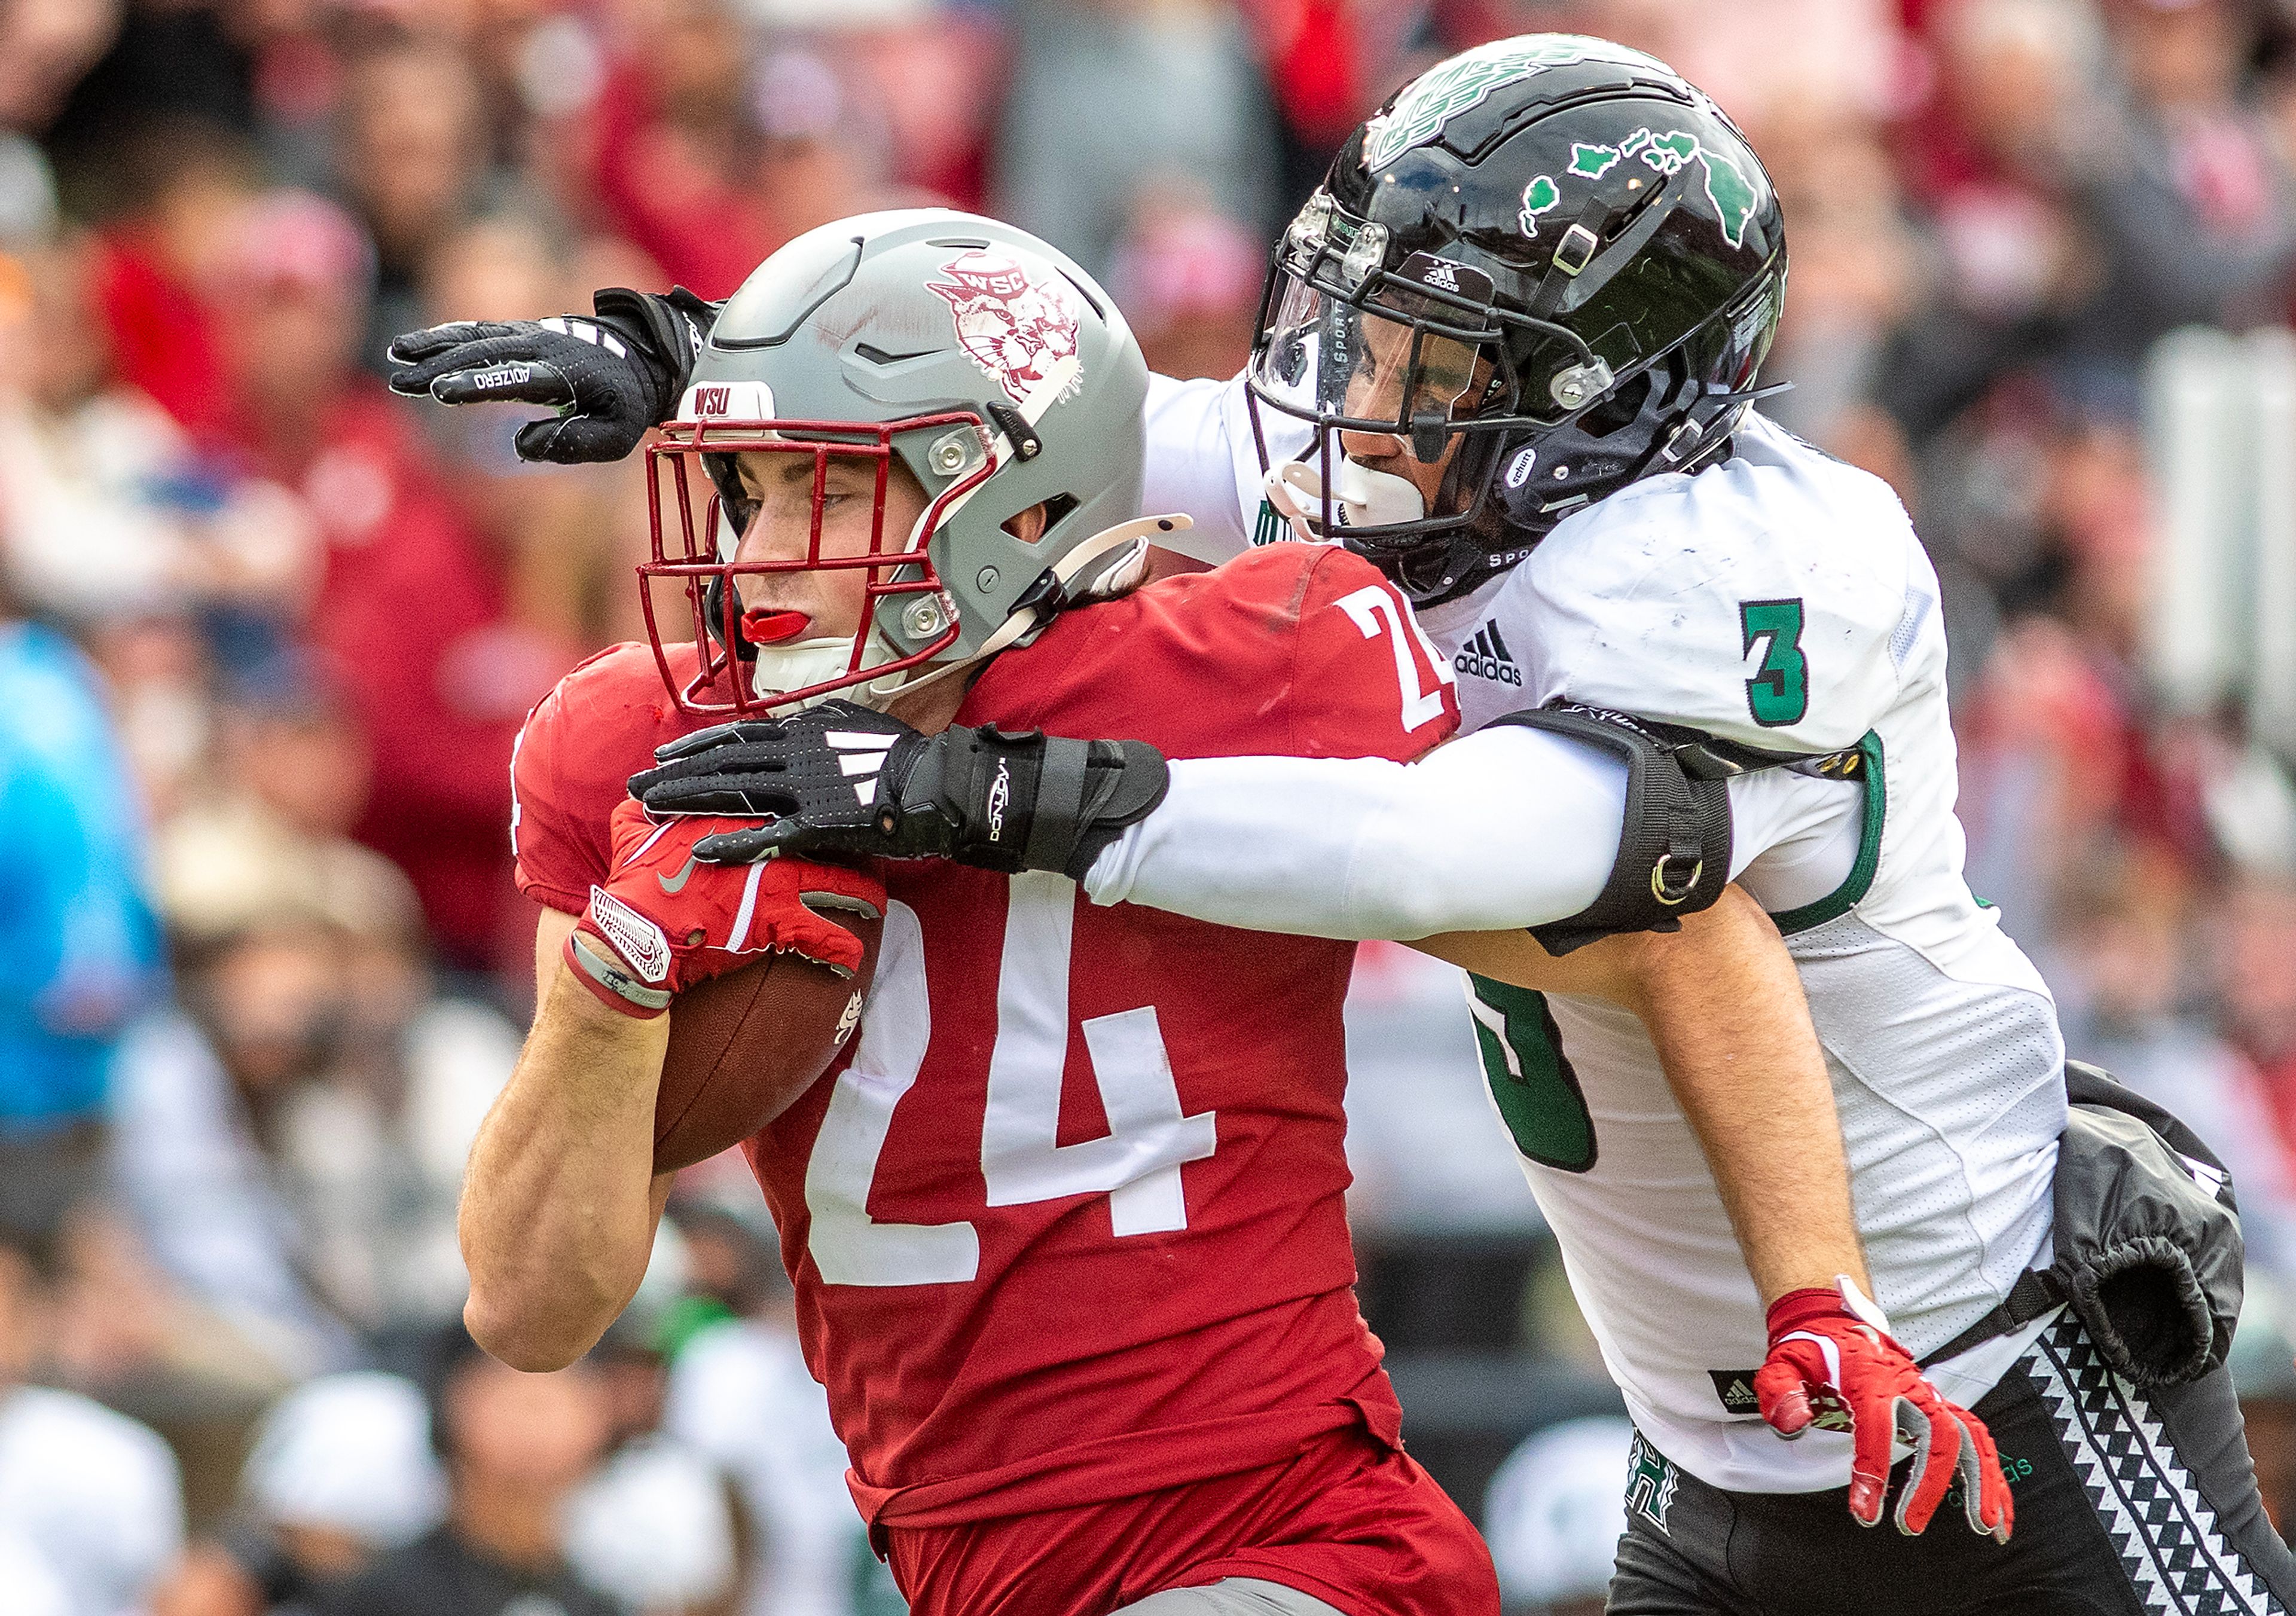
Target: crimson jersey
1067	1224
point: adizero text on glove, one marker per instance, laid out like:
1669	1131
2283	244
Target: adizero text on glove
611	378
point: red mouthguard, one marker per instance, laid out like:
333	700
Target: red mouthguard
763	628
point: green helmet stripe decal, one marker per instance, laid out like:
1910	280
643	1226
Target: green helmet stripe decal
1449	88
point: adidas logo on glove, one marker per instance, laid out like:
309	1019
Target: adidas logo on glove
863	755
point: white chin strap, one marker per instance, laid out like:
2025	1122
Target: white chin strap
1361	497
1128	541
803	662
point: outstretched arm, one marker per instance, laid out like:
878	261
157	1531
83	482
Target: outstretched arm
612	376
1507	827
1724	1006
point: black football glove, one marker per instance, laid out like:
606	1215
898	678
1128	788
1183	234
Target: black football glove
839	779
611	378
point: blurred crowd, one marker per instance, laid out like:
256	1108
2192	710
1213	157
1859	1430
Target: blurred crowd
266	635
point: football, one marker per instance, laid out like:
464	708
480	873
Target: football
743	1046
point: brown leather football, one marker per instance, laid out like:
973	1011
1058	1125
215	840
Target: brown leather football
743	1046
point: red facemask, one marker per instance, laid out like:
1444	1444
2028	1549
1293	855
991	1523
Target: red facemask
684	524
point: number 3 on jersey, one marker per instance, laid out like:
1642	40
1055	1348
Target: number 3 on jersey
1778	694
1136	1164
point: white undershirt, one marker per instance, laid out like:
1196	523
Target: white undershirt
1506	828
1202	458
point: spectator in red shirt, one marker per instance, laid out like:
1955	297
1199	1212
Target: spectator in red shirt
413	159
180	182
411	606
673	138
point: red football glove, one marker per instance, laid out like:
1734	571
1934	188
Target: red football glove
1833	1364
665	919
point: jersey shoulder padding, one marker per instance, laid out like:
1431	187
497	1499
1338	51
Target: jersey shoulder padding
1773	600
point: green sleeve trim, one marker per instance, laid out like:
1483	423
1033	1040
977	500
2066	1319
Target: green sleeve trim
1852	891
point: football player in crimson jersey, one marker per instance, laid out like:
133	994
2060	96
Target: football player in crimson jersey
1067	1221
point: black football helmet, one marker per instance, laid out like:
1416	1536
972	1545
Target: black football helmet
1553	250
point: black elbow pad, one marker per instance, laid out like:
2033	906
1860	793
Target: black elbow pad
1674	847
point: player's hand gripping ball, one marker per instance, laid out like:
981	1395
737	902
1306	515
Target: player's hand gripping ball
1833	1365
666	921
762	969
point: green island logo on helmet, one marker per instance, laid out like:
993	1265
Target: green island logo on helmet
1735	195
1449	88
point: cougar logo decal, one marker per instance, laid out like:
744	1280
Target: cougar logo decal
1014	328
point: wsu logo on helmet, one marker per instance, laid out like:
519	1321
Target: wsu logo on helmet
1015	329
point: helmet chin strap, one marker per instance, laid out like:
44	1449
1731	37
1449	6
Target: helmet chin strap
802	663
1056	590
1360	497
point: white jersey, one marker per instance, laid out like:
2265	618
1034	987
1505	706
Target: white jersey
1781	601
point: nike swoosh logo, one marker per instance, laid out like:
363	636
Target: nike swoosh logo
684	875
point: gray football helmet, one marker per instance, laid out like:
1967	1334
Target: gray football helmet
982	360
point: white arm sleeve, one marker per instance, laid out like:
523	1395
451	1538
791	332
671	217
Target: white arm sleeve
1507	827
1503	829
1202	462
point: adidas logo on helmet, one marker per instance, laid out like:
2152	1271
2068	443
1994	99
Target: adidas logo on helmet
1486	657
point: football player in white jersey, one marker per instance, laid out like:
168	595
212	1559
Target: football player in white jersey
1509	352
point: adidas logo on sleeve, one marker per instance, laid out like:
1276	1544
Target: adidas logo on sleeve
1486	657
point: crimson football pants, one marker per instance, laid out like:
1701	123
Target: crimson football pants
1348	1520
2128	1503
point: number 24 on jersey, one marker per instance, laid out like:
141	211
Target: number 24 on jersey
1136	1164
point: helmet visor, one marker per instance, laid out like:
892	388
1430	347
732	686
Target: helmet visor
1370	367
